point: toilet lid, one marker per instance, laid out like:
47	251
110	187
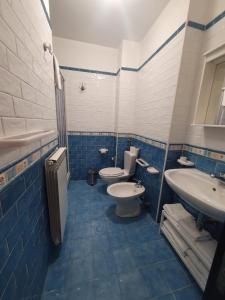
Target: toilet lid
112	171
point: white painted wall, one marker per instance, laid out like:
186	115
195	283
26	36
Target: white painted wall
83	55
27	96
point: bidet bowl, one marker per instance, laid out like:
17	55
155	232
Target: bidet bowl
126	195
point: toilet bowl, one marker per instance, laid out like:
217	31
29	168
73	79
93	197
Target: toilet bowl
113	175
126	195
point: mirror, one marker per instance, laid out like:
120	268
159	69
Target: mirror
211	103
215	113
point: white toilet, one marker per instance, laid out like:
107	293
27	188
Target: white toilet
126	195
113	175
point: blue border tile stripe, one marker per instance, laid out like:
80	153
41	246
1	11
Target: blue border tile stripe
215	20
130	69
88	70
46	13
196	25
208	25
163	45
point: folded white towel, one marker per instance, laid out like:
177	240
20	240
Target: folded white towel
176	211
58	81
189	225
201	280
205	249
183	246
198	264
186	259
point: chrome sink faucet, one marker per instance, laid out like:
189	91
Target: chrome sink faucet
138	184
220	177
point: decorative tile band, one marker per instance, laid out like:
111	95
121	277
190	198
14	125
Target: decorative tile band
46	13
213	154
158	144
149	141
9	174
92	133
176	147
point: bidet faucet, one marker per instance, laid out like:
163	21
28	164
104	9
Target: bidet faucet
220	177
138	184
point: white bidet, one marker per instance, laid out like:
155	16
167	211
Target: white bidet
126	195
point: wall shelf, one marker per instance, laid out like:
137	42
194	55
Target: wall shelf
25	139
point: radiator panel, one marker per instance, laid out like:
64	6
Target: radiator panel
56	179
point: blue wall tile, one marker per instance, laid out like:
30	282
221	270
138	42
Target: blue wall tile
24	235
155	157
84	154
11	193
83	151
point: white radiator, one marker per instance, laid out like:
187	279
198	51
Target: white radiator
56	180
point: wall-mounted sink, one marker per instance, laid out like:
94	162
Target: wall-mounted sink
200	190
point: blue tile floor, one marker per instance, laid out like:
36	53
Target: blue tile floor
104	257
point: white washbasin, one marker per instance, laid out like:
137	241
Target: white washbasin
200	190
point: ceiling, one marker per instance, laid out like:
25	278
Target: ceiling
104	22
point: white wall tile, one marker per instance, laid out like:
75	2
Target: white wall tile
11	19
6	105
23	109
93	109
9	83
28	92
1	128
3	56
18	67
24	54
13	126
23	29
7	36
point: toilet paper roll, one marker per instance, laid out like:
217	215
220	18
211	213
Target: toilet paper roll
134	150
103	151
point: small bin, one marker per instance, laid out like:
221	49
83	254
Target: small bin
92	177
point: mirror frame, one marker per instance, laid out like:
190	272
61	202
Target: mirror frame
207	77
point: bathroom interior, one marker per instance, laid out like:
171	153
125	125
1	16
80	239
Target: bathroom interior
112	149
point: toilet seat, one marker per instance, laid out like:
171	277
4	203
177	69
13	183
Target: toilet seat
111	172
